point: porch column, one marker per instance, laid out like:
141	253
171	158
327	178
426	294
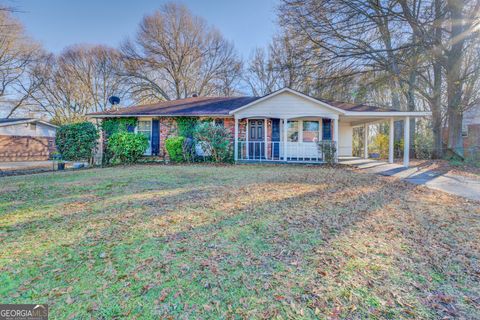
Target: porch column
247	147
285	129
391	141
365	140
266	138
406	142
236	139
335	138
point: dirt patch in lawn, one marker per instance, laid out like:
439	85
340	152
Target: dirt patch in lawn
237	242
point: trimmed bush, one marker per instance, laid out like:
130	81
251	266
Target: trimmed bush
77	141
127	147
214	141
174	146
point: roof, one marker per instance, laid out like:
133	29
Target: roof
224	106
8	120
195	106
358	107
13	121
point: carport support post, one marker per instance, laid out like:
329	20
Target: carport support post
391	140
365	140
236	139
406	142
335	138
285	130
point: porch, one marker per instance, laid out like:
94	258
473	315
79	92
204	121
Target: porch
285	140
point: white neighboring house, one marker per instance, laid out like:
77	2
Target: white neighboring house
26	139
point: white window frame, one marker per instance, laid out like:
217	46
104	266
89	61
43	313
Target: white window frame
148	152
319	132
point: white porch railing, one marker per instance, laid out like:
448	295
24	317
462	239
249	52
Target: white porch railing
303	152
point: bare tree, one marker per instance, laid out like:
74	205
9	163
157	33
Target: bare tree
17	55
78	81
260	76
464	32
284	64
176	54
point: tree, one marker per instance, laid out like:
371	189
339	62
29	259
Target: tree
175	55
78	81
18	53
284	64
419	51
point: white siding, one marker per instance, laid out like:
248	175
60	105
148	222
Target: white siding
287	105
345	139
26	129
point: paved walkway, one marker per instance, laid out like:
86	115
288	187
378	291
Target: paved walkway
452	183
25	165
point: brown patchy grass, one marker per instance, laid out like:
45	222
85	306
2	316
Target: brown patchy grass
237	242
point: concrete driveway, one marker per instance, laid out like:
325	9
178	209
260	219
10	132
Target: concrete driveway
468	187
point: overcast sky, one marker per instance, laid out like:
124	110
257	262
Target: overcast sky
60	23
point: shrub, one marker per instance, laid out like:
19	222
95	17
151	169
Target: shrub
111	126
127	147
424	145
174	146
328	150
214	141
380	145
186	126
77	141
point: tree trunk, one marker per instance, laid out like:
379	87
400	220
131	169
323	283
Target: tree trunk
436	103
454	81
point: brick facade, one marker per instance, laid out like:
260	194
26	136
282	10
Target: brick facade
168	128
471	143
25	148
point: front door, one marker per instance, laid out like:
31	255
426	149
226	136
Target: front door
256	139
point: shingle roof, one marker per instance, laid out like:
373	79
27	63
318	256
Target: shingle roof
212	106
360	107
8	120
195	106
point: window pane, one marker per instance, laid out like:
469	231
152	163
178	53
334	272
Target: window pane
219	122
310	126
144	125
292	133
310	131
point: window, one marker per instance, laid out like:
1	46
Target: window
310	131
219	122
464	130
326	129
292	132
145	128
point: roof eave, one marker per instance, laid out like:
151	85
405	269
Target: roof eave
156	115
6	124
388	113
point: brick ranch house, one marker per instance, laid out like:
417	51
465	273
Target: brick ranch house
283	126
26	139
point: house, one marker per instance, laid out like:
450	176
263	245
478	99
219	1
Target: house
283	126
26	139
471	131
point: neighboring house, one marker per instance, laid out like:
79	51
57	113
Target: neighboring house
26	139
471	131
283	126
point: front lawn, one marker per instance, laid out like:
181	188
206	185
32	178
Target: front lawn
237	242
